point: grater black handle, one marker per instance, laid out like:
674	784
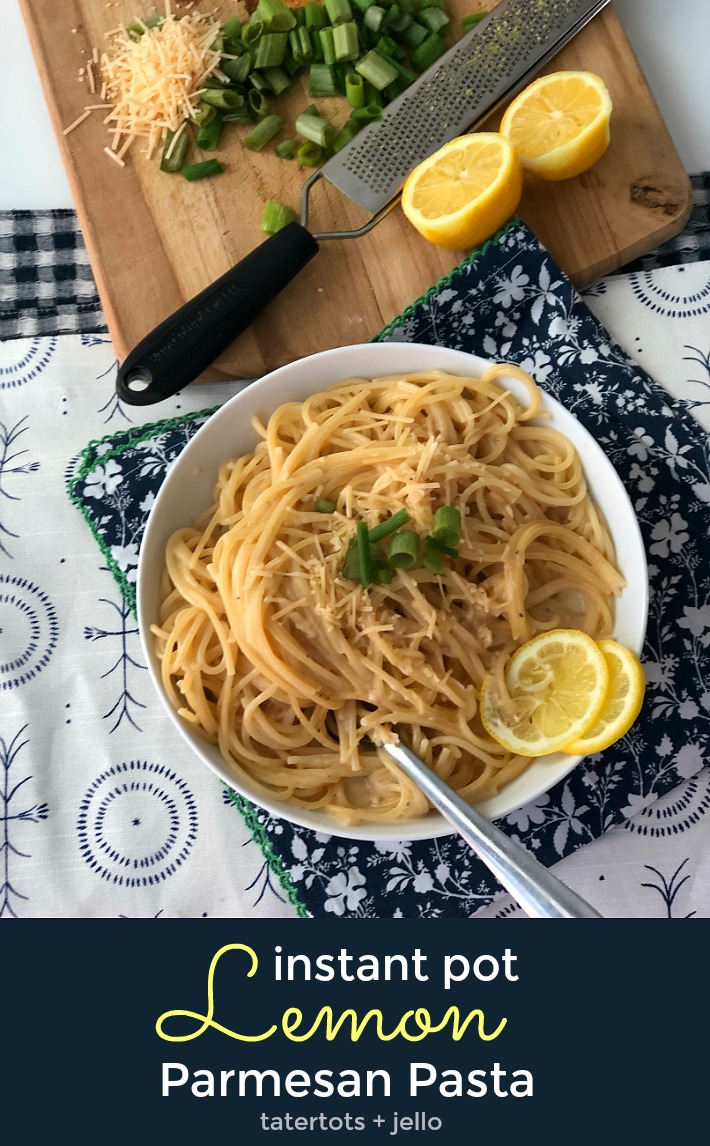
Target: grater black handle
187	342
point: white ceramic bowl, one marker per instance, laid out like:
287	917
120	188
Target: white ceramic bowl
188	488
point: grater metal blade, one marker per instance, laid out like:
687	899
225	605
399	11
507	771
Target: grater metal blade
489	65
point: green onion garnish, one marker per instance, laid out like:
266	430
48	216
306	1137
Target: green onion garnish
367	571
195	171
447	525
428	52
276	215
403	549
389	525
345	41
433	559
435	543
324	505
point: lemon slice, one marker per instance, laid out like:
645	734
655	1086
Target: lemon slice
556	686
622	704
462	194
559	124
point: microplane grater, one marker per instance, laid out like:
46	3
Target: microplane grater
492	62
489	65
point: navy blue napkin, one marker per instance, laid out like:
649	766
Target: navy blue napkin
509	302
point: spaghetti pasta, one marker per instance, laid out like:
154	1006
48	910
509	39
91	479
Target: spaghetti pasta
297	672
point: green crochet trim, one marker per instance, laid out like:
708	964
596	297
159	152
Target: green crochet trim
261	839
90	458
445	281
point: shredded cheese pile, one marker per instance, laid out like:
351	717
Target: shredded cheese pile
152	85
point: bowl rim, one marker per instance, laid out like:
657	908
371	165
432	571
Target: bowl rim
267	393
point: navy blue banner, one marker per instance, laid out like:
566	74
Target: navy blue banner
377	1031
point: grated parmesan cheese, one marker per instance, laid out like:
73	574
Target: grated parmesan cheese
153	85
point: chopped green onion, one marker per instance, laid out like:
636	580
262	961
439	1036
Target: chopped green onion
316	129
414	35
195	171
355	90
433	559
224	99
351	564
309	154
270	49
277	16
435	20
403	549
238	70
471	20
374	17
363	5
447	525
259	103
301	45
253	31
345	41
208	135
389	525
338	11
260	135
241	115
322	81
441	546
174	152
383	575
324	505
376	70
232	30
286	149
135	31
428	52
327	43
368	114
278	80
203	114
276	215
316	15
347	132
367	571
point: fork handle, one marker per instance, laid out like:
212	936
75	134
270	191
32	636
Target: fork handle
540	893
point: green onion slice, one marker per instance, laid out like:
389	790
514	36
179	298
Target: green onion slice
276	215
195	171
403	549
447	525
367	570
389	526
324	505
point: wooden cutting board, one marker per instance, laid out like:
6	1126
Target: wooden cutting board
155	240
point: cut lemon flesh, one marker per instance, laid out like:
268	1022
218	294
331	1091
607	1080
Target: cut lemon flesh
559	124
462	194
622	704
554	684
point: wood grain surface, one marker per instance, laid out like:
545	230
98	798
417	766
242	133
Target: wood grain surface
155	240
